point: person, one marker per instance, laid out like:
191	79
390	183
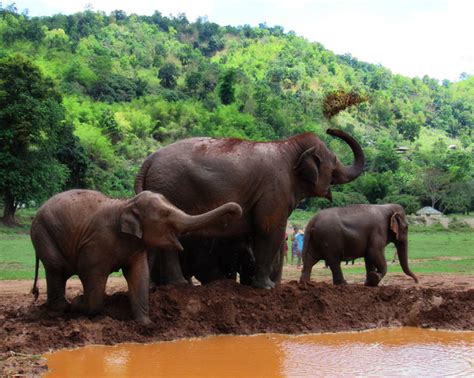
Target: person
285	249
294	244
299	240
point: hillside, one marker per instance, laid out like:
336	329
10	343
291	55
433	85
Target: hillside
132	83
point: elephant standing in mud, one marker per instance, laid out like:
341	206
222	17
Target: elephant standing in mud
267	179
345	233
84	232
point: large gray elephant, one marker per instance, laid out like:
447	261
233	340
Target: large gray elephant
84	232
344	233
267	179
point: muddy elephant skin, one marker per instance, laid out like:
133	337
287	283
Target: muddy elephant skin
345	233
267	179
84	232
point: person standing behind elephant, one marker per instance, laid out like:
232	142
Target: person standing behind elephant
285	249
300	242
294	244
84	232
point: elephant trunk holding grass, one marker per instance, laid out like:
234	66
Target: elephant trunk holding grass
84	232
344	233
267	179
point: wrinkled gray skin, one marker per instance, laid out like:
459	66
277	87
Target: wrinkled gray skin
84	232
267	180
344	233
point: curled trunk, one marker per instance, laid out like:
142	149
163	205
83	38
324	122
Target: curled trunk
343	174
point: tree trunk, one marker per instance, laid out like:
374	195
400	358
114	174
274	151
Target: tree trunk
9	211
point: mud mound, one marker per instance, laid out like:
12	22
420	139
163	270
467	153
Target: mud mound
227	307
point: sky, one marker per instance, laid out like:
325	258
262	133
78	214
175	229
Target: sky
409	37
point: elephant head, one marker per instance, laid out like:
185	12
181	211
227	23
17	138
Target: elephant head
151	217
320	167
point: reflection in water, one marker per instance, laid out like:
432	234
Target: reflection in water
402	351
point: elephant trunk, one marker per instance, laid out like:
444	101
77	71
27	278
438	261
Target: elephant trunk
190	223
402	252
344	174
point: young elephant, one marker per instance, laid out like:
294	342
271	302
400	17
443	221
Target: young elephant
345	233
84	232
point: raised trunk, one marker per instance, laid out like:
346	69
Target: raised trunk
403	258
343	174
9	211
189	223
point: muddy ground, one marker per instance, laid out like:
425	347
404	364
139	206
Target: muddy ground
27	330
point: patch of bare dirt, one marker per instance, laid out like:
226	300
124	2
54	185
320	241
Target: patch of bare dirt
225	307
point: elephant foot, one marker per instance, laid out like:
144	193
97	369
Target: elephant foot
372	279
177	282
78	305
263	283
343	282
58	307
143	320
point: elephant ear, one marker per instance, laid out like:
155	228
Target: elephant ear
308	165
130	222
395	224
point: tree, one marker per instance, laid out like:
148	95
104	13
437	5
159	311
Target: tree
168	75
32	130
432	183
227	91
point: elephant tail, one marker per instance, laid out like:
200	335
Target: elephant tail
35	290
140	179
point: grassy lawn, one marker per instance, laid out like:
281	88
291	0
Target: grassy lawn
431	250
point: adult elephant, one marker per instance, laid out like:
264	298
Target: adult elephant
267	179
344	233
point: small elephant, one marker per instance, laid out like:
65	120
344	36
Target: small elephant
84	232
219	259
345	233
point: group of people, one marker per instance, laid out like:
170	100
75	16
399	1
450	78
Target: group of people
297	240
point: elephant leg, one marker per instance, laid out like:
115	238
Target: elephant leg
337	276
137	276
372	278
55	266
377	259
56	289
247	266
266	248
170	269
92	302
277	270
308	263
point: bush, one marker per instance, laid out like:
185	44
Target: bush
458	225
339	199
410	203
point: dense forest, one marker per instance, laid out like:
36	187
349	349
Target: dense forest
84	98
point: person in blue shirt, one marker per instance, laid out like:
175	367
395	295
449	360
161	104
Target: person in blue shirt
297	250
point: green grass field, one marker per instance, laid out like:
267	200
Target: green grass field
431	250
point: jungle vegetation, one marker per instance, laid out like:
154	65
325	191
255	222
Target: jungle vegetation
84	98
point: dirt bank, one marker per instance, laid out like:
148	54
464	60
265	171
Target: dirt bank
27	329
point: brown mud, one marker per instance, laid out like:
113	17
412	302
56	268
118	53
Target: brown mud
28	330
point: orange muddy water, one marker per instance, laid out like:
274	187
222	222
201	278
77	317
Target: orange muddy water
401	351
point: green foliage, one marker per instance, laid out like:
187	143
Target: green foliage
410	203
33	129
131	83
